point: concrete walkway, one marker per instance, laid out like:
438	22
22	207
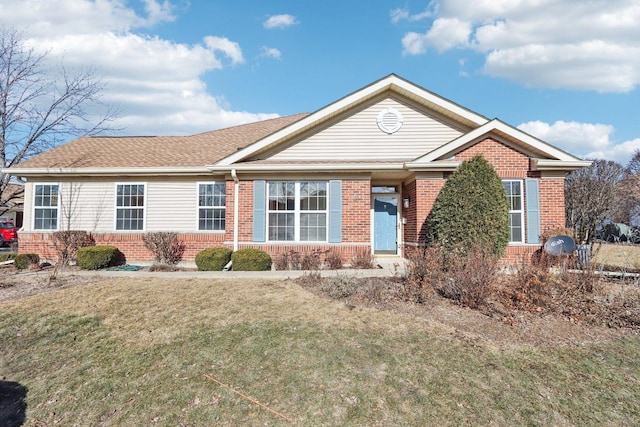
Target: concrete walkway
387	267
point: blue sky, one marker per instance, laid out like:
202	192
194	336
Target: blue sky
565	71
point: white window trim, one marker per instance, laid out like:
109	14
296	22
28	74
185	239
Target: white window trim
116	207
198	207
521	211
296	213
34	207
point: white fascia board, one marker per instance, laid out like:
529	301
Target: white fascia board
546	165
440	165
448	149
293	167
107	171
345	103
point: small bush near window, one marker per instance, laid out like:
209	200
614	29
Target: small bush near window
67	243
24	261
289	260
311	261
251	260
213	259
166	247
363	258
333	259
96	257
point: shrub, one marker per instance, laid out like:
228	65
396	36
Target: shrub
251	260
7	257
24	261
213	259
468	279
363	258
311	261
67	243
423	270
289	260
166	246
96	257
472	208
340	286
333	260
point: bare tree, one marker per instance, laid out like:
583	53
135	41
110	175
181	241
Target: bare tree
630	188
38	109
591	198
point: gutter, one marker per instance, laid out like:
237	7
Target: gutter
130	171
236	207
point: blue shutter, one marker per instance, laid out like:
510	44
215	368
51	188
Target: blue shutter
335	211
533	210
259	210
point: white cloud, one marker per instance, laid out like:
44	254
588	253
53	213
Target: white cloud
279	21
157	84
587	140
270	52
226	46
591	45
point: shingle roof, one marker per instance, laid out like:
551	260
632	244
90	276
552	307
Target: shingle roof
157	151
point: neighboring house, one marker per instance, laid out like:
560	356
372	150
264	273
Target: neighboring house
11	204
359	174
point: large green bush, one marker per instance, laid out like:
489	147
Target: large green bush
213	259
96	257
251	260
471	210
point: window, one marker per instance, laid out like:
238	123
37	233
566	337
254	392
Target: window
46	207
212	201
130	207
297	211
516	213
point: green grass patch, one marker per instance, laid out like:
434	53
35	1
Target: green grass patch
135	352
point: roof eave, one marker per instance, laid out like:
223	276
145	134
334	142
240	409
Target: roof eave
550	165
116	171
305	167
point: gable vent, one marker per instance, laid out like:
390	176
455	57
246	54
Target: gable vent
389	120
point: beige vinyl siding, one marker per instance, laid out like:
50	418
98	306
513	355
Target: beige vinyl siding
171	205
358	137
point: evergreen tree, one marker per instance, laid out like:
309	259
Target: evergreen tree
471	209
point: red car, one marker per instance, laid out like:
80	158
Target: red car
8	233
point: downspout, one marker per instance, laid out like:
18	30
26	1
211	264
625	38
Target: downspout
236	208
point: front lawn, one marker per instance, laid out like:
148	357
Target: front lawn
136	352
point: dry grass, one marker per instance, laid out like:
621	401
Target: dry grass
623	256
135	351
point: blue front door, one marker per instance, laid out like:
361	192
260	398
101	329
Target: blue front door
385	215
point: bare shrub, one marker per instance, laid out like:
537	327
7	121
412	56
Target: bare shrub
166	247
341	286
363	259
423	268
67	243
529	289
289	260
311	261
333	260
469	278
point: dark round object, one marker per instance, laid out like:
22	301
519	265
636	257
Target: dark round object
560	245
